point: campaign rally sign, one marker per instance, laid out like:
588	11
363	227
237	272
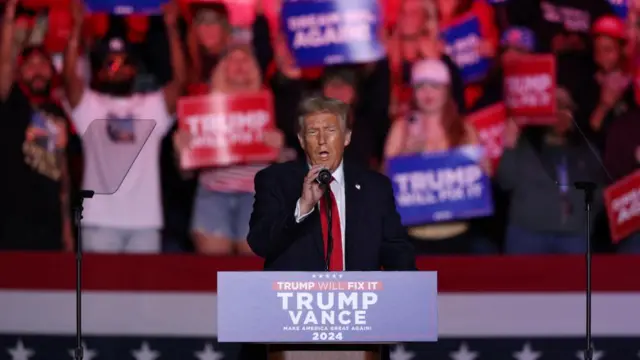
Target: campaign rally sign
226	129
441	186
529	88
620	7
490	123
327	307
327	32
462	40
58	29
123	7
622	200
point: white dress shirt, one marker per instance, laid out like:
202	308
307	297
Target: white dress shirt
337	187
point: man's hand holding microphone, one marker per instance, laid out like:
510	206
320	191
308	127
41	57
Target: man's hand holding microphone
315	183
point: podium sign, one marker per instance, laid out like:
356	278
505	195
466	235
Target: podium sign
327	307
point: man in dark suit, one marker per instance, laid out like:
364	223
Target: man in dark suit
288	226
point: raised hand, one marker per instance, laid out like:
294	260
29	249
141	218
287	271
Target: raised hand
311	190
10	9
171	13
181	139
77	12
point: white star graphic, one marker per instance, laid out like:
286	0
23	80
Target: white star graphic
87	354
400	353
463	353
597	355
209	353
527	353
20	352
313	276
145	353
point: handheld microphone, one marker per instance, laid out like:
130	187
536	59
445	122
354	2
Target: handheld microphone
324	177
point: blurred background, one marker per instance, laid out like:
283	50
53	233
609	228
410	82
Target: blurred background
547	91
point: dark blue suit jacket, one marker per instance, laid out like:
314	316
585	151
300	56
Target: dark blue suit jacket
375	238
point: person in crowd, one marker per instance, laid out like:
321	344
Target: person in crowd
415	37
451	11
129	220
225	194
616	95
210	34
433	126
622	158
516	42
560	25
288	85
342	83
365	87
538	168
34	132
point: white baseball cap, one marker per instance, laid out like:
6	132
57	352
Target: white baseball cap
430	71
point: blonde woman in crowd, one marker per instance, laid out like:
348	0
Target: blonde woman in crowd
224	197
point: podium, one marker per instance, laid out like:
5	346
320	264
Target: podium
327	315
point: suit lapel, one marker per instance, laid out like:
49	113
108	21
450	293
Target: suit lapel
353	206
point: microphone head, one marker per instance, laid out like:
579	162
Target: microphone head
324	177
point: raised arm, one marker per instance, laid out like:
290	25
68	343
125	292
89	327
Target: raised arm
173	89
73	83
6	50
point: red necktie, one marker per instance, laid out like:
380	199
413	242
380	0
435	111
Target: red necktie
336	234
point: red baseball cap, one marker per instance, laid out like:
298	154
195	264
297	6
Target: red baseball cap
609	25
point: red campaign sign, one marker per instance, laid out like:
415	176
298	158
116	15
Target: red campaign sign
226	129
529	88
622	200
59	29
490	123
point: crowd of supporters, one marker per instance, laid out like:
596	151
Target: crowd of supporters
50	144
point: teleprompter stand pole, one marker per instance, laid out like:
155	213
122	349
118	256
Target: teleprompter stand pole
588	188
78	203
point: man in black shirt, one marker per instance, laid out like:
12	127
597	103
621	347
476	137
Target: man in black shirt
34	210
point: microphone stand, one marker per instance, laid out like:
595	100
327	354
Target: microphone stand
77	219
328	204
588	187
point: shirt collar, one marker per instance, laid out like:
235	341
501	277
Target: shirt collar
338	175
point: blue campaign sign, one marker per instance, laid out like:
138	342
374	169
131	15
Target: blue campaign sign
620	7
441	186
327	307
124	7
327	32
462	42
